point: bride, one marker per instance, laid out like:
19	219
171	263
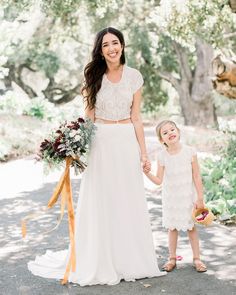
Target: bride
113	236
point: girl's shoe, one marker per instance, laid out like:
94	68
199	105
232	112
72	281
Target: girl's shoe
199	265
170	264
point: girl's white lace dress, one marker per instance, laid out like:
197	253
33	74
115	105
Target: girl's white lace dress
178	191
113	235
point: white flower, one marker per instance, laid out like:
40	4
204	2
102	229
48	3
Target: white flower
77	137
72	133
224	183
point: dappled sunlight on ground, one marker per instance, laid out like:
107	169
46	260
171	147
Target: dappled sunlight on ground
216	240
13	246
25	175
216	243
25	190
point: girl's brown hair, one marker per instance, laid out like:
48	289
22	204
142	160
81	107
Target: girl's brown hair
161	124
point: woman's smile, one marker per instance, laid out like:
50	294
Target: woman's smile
113	54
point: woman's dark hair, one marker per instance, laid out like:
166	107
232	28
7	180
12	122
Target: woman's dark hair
95	69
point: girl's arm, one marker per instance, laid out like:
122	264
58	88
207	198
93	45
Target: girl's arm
157	179
197	179
138	125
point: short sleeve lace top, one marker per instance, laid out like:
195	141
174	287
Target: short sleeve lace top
114	100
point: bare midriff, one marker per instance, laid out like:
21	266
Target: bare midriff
104	121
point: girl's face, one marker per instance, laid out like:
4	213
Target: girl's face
169	134
111	48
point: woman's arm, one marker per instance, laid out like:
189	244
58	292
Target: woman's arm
89	113
138	124
158	178
197	179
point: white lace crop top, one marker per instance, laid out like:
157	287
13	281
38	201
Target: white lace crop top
114	100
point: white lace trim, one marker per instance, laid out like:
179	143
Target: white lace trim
179	227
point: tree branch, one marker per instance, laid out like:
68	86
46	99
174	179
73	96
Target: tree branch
185	69
31	93
170	78
15	74
229	35
53	91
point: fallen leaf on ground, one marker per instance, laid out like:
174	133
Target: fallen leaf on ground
147	285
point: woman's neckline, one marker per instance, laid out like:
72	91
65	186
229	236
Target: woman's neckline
175	154
122	75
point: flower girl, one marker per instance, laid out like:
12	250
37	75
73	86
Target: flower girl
178	172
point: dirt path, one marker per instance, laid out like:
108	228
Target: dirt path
25	189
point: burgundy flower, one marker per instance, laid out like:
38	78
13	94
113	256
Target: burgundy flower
55	149
57	143
75	125
45	145
81	120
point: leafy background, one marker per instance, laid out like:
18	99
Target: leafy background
44	46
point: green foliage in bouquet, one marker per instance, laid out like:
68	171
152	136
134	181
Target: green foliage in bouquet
69	140
219	177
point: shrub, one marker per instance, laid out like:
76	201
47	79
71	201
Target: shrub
11	102
5	149
219	178
40	108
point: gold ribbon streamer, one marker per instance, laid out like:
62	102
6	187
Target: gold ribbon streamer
63	188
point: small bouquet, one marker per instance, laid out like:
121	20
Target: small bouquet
69	140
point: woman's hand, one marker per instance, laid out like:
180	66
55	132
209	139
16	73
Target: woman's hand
146	164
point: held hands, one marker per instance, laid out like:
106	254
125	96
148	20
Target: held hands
146	164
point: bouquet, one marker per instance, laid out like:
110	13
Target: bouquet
69	140
69	144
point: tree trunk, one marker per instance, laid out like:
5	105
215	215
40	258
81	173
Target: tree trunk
195	87
232	4
198	113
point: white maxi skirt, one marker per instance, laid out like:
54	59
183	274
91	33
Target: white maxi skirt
112	228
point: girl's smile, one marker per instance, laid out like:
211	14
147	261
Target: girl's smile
172	137
169	134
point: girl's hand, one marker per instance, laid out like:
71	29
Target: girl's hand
199	204
146	164
147	168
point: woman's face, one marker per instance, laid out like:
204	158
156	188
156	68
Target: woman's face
111	48
169	134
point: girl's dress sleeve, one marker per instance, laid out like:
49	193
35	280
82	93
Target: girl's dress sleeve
137	81
160	158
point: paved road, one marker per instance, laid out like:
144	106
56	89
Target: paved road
24	187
